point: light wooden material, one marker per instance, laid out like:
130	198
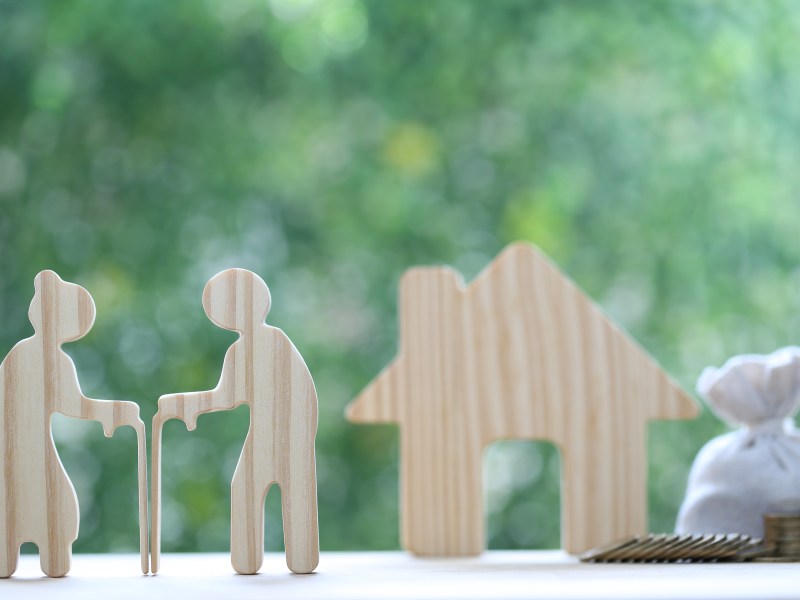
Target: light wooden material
37	501
264	370
400	576
521	353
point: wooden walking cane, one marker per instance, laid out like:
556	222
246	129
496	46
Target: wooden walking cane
141	442
155	496
164	414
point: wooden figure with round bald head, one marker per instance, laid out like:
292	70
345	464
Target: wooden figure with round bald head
37	501
264	370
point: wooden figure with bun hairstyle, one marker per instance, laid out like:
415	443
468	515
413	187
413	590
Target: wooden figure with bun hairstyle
37	500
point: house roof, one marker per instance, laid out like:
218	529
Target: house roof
536	334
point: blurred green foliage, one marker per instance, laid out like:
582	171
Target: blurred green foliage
651	148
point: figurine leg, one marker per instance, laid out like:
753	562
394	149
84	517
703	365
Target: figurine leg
247	525
299	508
9	557
56	563
55	546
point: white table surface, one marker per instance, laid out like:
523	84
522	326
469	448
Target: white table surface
387	575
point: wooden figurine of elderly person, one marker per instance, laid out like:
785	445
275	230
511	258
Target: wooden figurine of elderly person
264	370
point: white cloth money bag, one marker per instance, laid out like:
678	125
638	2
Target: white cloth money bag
738	477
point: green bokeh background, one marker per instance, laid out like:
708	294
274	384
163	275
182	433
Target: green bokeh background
651	148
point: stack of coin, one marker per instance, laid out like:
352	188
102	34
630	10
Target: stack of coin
676	548
781	538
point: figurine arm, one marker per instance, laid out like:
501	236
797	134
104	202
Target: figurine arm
110	413
187	407
190	405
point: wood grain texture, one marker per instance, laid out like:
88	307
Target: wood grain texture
521	353
264	370
37	500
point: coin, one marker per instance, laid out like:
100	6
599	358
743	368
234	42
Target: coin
682	549
602	552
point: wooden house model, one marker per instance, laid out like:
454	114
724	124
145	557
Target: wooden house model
520	353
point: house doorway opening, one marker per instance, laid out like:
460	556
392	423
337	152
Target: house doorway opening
522	495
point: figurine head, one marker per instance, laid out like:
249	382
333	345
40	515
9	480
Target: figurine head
60	311
236	299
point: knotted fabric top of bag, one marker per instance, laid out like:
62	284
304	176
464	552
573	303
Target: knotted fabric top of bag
738	477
